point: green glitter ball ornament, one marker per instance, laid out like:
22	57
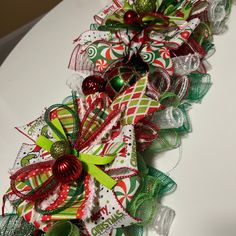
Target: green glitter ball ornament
145	6
60	148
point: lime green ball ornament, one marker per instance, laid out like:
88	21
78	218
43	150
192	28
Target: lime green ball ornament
60	148
145	6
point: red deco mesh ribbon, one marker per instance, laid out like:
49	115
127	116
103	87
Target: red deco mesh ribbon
190	47
145	132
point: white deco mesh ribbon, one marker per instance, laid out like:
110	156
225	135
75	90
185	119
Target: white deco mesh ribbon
74	82
163	220
217	15
184	65
169	118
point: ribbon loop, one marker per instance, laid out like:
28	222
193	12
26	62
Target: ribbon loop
89	162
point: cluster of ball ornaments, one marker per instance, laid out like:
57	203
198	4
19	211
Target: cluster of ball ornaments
122	75
142	7
117	77
114	81
67	167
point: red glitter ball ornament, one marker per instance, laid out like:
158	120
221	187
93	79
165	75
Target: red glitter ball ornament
131	17
67	168
93	84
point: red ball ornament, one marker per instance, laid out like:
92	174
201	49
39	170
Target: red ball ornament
67	169
93	84
131	17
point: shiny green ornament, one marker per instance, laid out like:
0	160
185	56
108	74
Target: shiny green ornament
59	149
119	78
145	6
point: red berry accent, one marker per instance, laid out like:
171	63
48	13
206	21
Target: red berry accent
130	17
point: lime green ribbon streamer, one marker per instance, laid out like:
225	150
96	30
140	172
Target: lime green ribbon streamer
89	165
56	122
89	161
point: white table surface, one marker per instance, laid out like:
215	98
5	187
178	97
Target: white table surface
34	76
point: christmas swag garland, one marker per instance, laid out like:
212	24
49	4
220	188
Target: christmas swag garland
140	67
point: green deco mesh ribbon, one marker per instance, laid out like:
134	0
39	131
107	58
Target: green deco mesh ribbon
199	86
167	139
12	224
167	184
186	127
63	228
133	230
169	99
154	185
209	47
